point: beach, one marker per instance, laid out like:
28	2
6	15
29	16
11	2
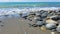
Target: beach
20	26
11	21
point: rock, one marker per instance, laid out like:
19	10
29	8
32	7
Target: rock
38	18
2	25
0	21
55	18
33	25
50	26
39	23
58	28
44	15
42	11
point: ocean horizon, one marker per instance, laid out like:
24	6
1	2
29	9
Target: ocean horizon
28	4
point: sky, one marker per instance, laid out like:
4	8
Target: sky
29	0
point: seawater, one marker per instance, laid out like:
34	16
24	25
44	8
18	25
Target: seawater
29	4
6	6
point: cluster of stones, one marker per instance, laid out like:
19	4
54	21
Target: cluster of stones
49	19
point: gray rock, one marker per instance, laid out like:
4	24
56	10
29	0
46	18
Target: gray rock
50	26
40	23
58	29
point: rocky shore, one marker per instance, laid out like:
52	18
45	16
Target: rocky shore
30	21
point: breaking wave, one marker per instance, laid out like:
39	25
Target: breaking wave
14	12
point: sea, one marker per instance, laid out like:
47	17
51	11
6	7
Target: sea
29	4
7	8
22	5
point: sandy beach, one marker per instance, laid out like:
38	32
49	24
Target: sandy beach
19	26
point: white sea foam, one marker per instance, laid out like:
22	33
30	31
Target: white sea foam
5	11
16	11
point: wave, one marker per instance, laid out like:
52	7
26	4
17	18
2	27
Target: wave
14	12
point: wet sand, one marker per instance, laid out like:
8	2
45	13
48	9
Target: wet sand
19	26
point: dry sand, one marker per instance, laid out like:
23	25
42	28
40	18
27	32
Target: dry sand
19	26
